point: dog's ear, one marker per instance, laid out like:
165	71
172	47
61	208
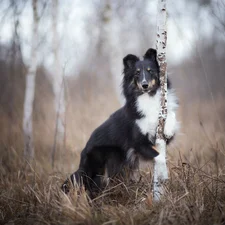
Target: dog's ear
151	54
130	60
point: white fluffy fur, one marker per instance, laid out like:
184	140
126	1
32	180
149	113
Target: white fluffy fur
131	157
149	107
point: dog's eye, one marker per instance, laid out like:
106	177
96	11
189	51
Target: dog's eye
148	69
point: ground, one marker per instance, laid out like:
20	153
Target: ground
194	194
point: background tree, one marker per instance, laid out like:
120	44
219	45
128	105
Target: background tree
109	45
15	58
58	85
30	88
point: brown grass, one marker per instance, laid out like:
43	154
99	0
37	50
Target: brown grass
194	194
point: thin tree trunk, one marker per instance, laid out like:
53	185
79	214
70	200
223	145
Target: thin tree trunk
110	47
58	85
160	167
14	55
30	89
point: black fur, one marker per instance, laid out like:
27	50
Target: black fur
108	146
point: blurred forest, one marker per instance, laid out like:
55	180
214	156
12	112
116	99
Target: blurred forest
85	48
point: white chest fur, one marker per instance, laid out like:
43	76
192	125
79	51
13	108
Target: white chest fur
149	107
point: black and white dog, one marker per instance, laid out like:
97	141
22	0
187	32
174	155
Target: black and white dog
129	133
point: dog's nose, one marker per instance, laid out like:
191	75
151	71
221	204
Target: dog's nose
144	85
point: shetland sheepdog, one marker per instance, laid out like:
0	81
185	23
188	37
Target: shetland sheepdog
129	134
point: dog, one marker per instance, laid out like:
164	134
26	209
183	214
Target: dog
129	134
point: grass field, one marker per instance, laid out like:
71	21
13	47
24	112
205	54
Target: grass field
195	193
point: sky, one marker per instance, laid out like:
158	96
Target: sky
75	36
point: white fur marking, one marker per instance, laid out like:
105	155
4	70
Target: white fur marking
171	125
131	157
149	107
144	79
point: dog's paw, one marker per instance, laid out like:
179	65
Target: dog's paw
170	126
168	132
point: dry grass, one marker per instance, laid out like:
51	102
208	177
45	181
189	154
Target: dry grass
30	193
193	195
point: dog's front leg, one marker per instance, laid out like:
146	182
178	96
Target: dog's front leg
171	125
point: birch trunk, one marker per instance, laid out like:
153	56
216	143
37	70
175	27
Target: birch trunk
58	84
160	167
111	47
14	57
30	89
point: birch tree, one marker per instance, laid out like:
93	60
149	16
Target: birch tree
58	84
30	88
110	46
15	52
160	167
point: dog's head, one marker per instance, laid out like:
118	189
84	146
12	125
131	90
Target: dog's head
141	75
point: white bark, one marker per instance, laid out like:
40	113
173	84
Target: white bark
160	167
30	89
58	75
58	83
